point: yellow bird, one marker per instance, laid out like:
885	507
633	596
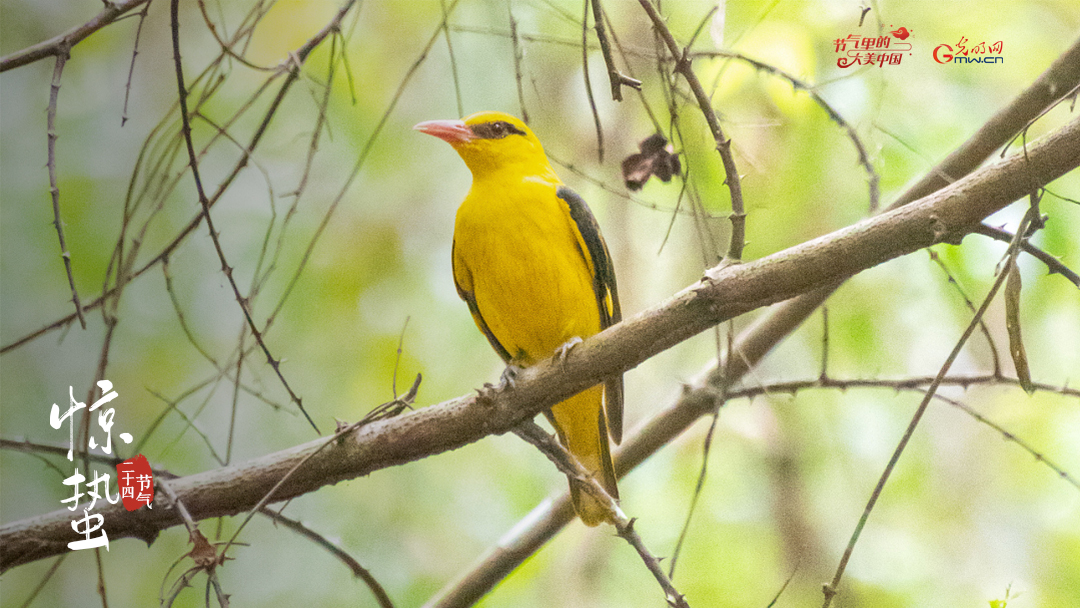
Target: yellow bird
531	264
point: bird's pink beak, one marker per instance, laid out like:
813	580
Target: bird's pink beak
450	131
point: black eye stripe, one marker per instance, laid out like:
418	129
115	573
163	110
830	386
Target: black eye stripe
495	130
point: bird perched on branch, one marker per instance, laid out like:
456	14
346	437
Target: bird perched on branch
531	264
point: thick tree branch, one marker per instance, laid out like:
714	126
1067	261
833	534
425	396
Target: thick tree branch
725	293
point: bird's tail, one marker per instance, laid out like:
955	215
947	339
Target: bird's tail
582	429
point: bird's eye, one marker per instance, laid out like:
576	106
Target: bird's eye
496	130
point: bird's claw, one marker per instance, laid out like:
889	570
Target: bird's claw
564	350
485	392
509	376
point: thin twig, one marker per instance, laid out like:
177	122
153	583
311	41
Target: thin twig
177	504
672	596
110	320
61	45
45	578
358	570
723	144
1011	437
518	56
824	342
131	70
173	406
298	57
100	567
621	191
644	99
699	488
588	84
60	450
913	383
624	526
574	42
701	25
380	412
919	384
832	588
227	47
872	177
205	203
453	61
1053	265
971	306
234	402
313	145
54	188
615	77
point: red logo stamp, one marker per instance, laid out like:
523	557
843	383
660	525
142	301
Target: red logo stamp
136	483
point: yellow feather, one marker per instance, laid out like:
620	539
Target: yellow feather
524	262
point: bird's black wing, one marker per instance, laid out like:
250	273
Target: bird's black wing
607	295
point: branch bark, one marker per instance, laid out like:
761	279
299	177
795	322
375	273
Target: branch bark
61	44
723	294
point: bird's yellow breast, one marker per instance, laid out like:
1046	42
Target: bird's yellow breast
517	251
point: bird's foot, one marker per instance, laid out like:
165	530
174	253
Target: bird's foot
564	350
509	376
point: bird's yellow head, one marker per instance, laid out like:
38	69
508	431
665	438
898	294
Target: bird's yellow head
490	142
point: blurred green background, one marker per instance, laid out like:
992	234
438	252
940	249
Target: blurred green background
966	517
